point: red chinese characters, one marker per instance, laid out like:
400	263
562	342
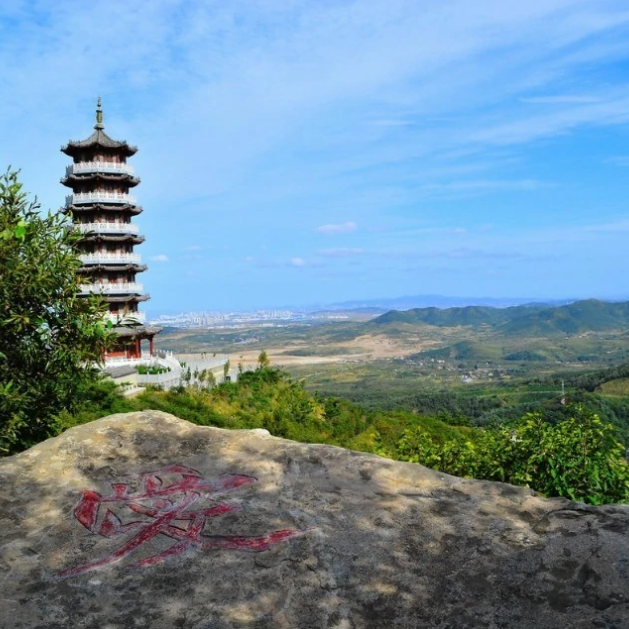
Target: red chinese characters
166	509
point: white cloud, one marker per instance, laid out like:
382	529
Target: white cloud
160	257
559	99
193	248
480	185
459	189
297	262
340	252
617	226
618	160
522	129
392	122
332	229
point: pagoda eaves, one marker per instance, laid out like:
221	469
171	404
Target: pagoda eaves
102	208
98	139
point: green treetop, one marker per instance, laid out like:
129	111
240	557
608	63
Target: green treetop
49	337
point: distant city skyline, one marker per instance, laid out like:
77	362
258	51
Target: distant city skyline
301	153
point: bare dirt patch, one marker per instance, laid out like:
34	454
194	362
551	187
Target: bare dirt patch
363	348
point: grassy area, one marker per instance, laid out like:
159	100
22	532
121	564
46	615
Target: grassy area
619	387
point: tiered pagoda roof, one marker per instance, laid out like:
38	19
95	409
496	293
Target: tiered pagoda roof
133	210
98	139
102	209
130	238
109	268
72	180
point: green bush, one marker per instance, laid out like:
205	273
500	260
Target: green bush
579	458
151	370
49	337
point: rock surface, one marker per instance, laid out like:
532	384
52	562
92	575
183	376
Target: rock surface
145	520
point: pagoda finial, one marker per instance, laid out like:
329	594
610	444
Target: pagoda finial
99	116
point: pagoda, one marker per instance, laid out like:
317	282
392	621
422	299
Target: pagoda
102	209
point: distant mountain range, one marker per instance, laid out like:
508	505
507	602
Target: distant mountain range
438	301
523	320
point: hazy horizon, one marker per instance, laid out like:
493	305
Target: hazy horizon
403	302
305	153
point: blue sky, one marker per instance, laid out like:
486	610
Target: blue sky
301	151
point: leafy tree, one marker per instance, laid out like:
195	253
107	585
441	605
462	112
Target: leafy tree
210	379
49	337
263	360
578	458
186	375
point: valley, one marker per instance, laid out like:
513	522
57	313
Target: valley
484	364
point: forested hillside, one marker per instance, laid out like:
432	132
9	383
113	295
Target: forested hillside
581	316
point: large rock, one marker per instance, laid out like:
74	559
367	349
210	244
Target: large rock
145	520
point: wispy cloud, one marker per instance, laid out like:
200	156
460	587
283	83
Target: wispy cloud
160	257
565	99
332	229
616	226
455	253
341	252
527	128
466	188
466	253
297	262
392	122
618	160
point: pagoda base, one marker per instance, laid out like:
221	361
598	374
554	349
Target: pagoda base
128	350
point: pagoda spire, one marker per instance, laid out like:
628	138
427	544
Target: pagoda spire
99	116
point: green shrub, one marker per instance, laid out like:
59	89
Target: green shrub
49	337
579	458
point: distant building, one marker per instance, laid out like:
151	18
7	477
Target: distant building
102	209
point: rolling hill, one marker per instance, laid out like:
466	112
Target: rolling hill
578	317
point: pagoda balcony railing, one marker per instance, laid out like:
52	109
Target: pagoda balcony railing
98	196
108	228
110	258
99	167
111	288
126	318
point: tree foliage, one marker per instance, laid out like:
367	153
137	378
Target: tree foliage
49	337
263	360
578	458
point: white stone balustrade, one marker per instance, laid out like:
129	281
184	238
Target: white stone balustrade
112	288
99	196
110	258
99	167
108	228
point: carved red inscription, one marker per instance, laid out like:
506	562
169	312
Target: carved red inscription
175	502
